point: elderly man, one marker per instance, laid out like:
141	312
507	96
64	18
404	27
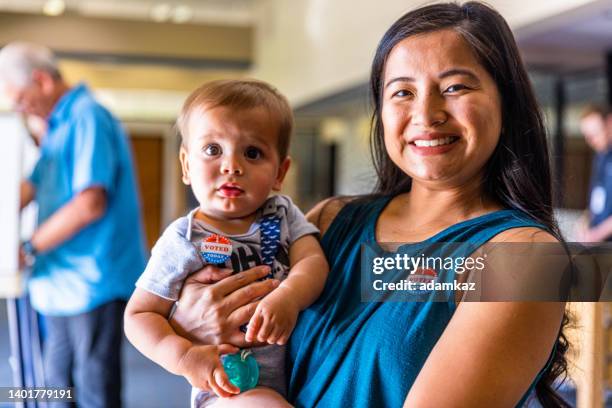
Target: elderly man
88	249
596	126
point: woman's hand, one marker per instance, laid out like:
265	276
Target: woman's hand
214	304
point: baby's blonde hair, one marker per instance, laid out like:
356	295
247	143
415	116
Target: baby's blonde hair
240	94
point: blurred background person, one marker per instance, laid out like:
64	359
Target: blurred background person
596	127
88	247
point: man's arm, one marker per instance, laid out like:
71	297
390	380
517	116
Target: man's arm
85	208
26	194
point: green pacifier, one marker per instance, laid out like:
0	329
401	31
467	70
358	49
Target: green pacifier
242	369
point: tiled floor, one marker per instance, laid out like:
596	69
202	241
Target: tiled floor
145	384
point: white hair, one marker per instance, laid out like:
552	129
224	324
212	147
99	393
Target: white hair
19	59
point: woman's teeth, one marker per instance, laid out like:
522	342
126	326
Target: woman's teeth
435	142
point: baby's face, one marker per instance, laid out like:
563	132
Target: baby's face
231	160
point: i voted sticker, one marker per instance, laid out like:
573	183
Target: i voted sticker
216	249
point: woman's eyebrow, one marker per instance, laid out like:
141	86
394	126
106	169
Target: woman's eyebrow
459	71
399	79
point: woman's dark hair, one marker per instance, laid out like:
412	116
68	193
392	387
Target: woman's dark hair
517	174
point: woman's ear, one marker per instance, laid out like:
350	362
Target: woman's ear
183	157
282	172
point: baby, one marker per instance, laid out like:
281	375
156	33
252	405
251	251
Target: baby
234	154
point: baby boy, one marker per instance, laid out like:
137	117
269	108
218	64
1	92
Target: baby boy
234	154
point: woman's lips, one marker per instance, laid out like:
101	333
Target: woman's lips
431	146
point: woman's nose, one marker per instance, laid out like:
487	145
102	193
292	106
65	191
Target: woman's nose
231	165
429	110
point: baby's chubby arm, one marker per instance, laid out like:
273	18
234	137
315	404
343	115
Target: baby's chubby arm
147	328
276	314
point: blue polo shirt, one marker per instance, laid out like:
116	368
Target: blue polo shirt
600	202
85	146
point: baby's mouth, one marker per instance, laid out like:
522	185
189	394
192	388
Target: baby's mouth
231	190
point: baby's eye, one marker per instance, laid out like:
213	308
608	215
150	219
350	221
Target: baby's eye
252	153
212	150
455	88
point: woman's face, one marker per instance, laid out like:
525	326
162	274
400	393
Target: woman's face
441	110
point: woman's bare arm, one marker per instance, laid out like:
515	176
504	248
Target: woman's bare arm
323	214
490	353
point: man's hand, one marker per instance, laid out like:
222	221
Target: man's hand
212	313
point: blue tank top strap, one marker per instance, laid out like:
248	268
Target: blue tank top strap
477	231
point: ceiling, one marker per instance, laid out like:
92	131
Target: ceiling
570	42
227	12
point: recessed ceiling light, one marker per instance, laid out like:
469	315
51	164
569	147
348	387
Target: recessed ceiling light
182	14
54	7
161	12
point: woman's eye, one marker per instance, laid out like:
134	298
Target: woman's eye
212	150
455	88
252	153
402	93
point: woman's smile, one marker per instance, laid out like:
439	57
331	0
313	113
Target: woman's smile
432	143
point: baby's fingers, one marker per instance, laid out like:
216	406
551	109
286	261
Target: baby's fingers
254	327
223	384
266	329
283	339
277	332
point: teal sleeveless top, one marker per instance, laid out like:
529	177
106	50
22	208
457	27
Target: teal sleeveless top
347	353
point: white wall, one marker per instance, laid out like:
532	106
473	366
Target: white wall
11	132
312	48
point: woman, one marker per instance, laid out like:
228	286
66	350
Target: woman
460	151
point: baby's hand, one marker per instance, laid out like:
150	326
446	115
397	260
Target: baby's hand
274	318
201	366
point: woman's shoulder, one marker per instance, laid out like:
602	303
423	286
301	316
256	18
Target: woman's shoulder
325	212
525	235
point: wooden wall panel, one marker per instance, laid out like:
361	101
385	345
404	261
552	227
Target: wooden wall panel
148	156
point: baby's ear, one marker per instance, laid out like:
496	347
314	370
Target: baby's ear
282	172
184	164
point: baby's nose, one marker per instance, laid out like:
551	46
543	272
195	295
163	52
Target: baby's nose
231	166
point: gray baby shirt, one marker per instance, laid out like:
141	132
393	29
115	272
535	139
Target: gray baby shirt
176	255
